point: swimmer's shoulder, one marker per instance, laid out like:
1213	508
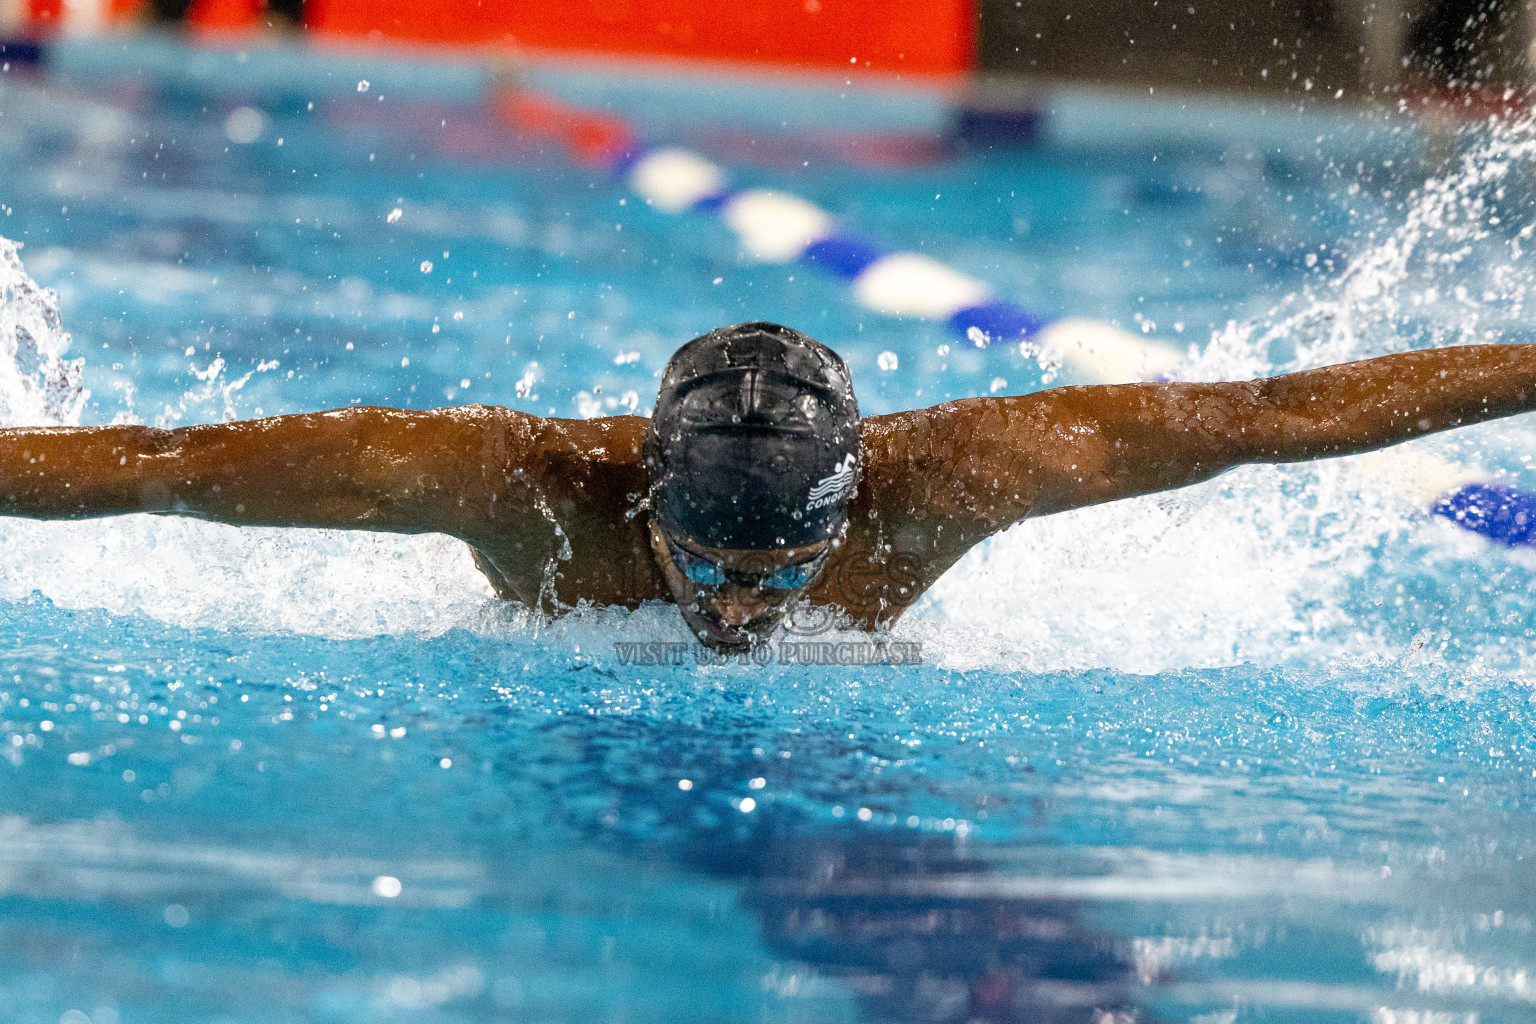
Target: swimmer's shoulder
555	490
606	444
909	451
587	473
547	445
940	479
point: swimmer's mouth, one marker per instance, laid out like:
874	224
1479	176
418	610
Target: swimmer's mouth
714	632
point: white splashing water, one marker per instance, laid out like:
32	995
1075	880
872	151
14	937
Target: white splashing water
1255	565
192	573
38	387
1251	567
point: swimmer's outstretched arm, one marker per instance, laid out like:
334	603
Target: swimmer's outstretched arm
1139	438
961	471
493	477
375	469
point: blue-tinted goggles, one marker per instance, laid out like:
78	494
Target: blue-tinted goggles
709	573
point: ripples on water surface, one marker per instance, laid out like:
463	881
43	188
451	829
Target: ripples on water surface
1261	750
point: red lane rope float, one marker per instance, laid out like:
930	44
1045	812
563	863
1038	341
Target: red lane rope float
594	138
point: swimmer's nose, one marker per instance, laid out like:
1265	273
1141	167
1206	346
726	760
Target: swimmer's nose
739	607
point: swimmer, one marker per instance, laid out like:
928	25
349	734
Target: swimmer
755	487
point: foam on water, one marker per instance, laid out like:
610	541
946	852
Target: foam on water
1265	564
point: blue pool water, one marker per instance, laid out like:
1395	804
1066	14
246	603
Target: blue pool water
1258	751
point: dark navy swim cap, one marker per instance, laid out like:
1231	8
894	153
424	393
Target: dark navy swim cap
755	440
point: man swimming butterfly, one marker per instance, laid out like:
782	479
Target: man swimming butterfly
756	484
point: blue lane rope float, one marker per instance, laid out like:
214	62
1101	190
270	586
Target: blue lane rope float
1493	510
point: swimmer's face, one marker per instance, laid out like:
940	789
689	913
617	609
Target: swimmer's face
734	599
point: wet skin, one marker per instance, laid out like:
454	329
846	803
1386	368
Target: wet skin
554	513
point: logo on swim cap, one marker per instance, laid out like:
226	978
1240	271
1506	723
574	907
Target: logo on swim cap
829	490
